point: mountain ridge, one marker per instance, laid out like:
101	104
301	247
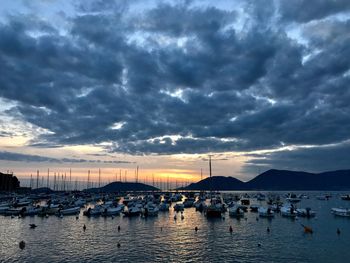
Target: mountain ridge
275	179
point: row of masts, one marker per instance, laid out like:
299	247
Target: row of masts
62	183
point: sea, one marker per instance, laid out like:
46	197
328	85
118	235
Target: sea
163	239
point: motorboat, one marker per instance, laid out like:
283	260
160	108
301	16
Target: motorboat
345	197
236	211
132	211
288	211
305	212
96	211
111	211
150	210
345	212
69	211
266	212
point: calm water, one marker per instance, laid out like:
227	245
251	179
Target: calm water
161	239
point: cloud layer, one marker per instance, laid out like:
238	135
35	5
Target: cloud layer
179	77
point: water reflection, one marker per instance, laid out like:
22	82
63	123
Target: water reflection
162	239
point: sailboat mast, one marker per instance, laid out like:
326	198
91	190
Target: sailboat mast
210	165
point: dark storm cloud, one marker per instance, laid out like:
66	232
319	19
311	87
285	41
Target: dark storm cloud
19	157
178	78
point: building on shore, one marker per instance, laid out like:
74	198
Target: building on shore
8	182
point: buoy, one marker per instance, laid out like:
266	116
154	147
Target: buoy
77	217
118	245
231	229
268	230
84	227
307	229
118	228
22	244
259	245
338	231
196	229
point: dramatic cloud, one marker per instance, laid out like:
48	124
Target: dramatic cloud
181	77
19	157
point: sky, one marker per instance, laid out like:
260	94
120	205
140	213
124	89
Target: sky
161	85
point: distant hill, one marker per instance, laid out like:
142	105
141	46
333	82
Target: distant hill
221	183
279	180
121	187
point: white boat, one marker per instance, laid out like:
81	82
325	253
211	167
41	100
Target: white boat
150	210
236	211
110	211
133	211
69	211
345	197
96	211
305	212
266	212
288	211
341	212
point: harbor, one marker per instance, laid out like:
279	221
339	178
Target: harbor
181	230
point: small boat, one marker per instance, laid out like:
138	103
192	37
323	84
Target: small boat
96	211
305	212
266	212
111	211
69	211
236	211
132	211
345	212
288	211
261	197
150	210
215	209
345	197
